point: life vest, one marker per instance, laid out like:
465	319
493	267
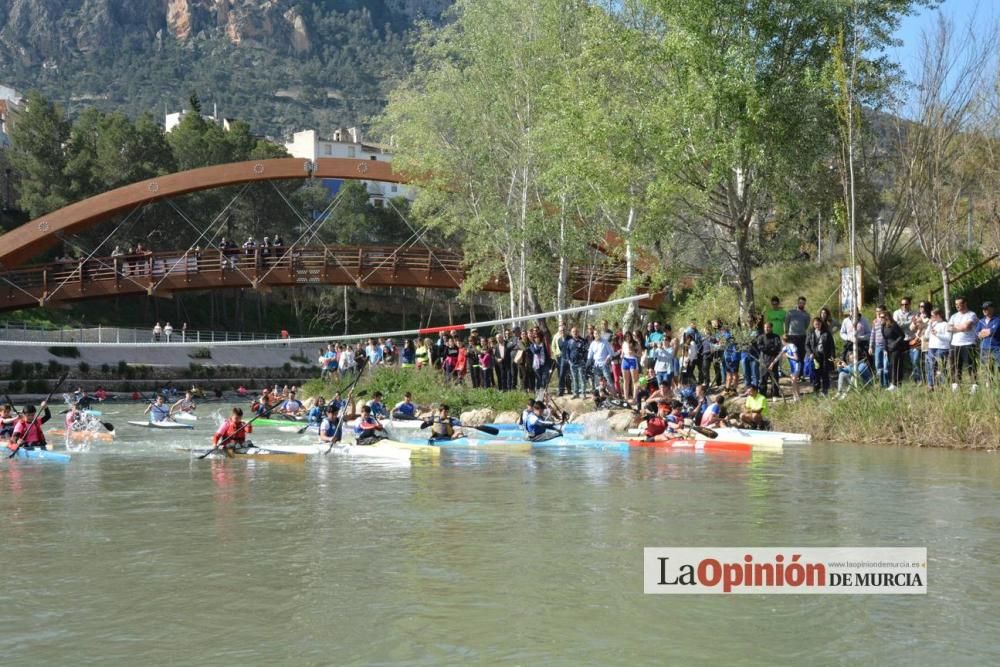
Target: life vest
238	433
329	429
442	428
31	433
365	425
655	426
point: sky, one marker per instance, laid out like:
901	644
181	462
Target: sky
984	12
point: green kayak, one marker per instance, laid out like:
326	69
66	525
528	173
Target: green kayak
268	421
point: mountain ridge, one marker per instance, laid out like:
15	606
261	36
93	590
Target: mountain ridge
281	65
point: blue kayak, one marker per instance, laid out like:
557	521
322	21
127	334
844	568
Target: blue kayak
500	443
38	455
566	428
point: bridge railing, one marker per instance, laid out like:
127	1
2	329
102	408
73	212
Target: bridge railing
18	331
147	270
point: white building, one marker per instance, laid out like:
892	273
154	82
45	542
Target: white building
347	143
172	120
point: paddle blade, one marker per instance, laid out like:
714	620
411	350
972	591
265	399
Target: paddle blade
109	426
707	432
425	424
487	429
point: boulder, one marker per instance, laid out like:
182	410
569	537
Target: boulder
621	421
594	418
506	418
478	417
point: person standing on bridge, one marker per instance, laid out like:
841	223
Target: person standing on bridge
168	331
157	332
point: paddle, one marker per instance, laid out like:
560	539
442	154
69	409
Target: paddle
350	398
484	428
20	442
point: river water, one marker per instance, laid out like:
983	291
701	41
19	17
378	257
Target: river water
135	554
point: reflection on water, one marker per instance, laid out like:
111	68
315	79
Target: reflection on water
137	554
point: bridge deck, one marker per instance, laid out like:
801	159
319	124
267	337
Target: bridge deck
163	273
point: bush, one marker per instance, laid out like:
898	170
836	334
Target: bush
105	369
301	358
84	367
201	353
17	369
66	351
15	385
122	368
56	369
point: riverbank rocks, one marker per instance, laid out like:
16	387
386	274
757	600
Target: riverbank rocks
506	418
595	418
478	417
621	421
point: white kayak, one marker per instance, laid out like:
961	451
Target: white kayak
730	434
346	449
398	424
166	424
185	416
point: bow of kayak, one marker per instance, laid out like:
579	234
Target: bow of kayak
164	425
37	455
696	445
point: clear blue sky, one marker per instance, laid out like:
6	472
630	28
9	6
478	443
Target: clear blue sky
985	12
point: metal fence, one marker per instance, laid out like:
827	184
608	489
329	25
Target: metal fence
23	331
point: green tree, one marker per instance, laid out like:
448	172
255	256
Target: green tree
752	109
469	121
37	154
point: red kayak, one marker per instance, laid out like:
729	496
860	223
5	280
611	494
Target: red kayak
697	445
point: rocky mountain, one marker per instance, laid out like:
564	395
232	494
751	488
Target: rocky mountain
280	64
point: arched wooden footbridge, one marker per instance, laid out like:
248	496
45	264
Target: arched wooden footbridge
163	273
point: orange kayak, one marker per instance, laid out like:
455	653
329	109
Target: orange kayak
696	445
81	436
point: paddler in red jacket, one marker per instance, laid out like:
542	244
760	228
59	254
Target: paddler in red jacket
656	423
28	430
234	429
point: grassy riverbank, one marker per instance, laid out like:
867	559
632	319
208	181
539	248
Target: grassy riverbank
910	416
427	387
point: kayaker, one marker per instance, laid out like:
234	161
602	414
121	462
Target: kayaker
158	410
715	413
186	404
535	426
377	406
28	430
316	412
675	420
7	420
73	418
330	429
754	412
656	420
367	431
292	405
405	409
523	419
443	426
234	429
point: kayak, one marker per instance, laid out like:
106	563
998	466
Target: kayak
37	455
729	433
251	452
185	416
161	425
500	445
79	436
414	447
525	445
345	449
696	445
268	421
567	429
757	439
